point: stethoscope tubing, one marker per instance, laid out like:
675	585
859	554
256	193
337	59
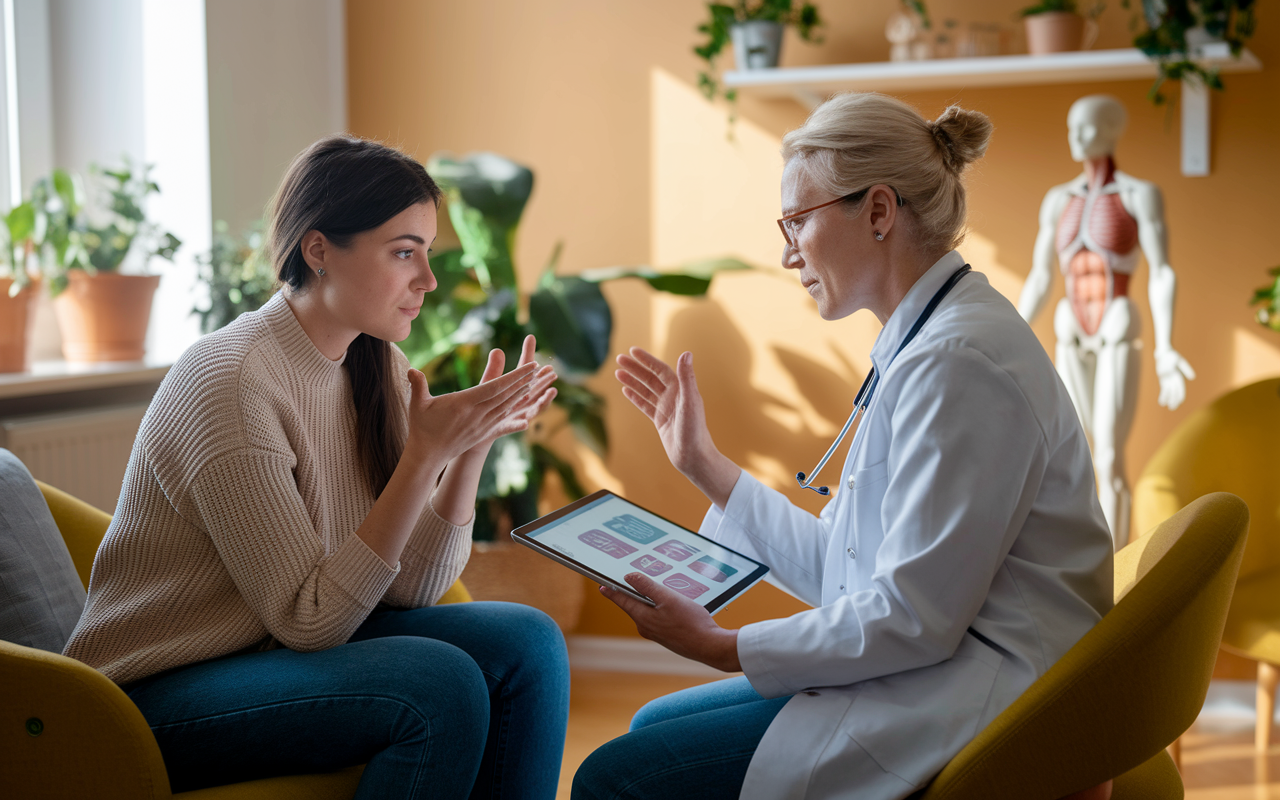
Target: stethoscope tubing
863	398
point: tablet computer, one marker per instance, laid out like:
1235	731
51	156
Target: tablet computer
607	537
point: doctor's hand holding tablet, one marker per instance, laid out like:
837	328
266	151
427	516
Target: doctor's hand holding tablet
669	398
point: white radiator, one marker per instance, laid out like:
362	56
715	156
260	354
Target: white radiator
83	453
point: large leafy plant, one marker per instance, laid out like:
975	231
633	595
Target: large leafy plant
72	236
478	305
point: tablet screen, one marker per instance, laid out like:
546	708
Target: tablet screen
613	537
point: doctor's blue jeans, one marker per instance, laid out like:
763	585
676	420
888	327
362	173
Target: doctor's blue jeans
694	743
451	701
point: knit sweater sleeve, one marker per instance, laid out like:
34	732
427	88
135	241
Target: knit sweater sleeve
248	502
437	550
432	560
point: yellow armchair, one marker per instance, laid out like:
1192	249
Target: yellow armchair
1130	687
67	731
1230	446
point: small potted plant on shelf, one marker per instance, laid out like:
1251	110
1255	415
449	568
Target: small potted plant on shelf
1056	26
1176	28
756	32
18	286
102	313
478	305
237	275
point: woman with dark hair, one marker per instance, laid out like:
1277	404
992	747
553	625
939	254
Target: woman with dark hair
295	504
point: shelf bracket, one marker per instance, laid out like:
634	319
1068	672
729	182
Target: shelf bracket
1195	128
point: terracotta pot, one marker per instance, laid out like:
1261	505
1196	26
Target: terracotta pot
17	316
1059	32
104	317
514	573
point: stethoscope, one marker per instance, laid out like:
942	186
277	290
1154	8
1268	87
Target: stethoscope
863	398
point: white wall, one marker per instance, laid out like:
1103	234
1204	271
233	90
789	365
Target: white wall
277	82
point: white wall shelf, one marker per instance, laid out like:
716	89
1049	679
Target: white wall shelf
811	85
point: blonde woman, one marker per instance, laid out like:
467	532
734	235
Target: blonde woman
964	550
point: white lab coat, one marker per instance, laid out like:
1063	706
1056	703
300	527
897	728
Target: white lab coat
964	553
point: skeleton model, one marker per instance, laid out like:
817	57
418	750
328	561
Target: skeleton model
1094	226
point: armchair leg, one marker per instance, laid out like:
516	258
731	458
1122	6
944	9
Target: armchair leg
1268	677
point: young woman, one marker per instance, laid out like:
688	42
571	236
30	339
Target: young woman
964	551
297	501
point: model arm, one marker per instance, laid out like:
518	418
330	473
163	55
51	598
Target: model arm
1171	368
1036	290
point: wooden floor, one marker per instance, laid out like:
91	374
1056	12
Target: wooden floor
1217	764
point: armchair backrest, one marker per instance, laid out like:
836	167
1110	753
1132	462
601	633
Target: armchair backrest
1227	446
82	527
1133	684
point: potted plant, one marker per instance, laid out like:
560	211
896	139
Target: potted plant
756	32
102	313
479	305
1056	26
239	279
1269	314
18	287
1175	28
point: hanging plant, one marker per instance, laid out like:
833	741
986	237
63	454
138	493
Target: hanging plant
1176	27
718	30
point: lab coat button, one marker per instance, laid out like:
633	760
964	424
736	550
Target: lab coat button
842	587
850	481
852	554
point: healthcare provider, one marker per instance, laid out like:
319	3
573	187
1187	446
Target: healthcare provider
964	551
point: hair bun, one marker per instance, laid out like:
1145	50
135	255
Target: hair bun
962	136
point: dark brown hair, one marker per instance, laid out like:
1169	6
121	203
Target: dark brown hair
341	186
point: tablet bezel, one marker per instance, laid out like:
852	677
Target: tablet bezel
522	535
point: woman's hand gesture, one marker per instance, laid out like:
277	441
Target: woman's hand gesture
453	424
534	402
670	399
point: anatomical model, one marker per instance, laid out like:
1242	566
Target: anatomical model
1093	227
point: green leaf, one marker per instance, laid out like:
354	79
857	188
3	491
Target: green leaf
21	221
693	278
571	319
487	194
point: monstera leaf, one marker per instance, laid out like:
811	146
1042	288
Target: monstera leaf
487	194
478	305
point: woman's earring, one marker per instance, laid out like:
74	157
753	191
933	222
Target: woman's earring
320	271
879	238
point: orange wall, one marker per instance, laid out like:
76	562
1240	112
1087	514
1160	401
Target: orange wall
634	167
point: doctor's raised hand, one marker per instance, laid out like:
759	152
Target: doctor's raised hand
669	398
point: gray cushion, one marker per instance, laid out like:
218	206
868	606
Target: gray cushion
41	596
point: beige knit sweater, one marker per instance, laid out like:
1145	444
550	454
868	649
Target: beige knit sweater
235	527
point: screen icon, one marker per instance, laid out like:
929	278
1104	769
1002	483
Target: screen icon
606	544
717	571
650	565
684	585
634	528
676	550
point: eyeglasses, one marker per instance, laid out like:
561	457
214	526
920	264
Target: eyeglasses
790	225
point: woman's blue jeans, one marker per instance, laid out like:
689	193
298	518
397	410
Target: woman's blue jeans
694	743
451	701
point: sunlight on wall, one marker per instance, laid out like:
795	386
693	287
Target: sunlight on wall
982	253
1255	355
789	374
